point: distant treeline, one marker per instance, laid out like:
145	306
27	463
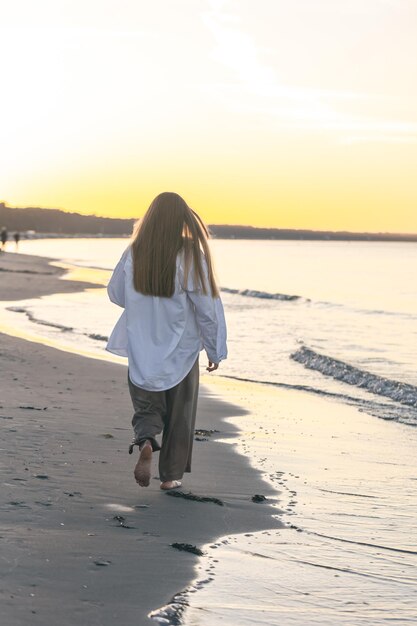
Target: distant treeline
250	232
60	222
57	221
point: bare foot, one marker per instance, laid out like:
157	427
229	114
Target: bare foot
143	466
170	484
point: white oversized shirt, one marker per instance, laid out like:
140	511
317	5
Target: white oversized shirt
162	337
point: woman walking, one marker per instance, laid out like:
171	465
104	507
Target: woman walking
172	310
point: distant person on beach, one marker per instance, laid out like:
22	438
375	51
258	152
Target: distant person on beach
172	310
16	238
4	237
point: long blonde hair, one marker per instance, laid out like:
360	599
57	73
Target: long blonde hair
168	226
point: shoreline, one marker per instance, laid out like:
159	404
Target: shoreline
340	544
346	553
25	276
68	483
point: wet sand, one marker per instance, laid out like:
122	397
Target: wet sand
348	496
24	276
80	541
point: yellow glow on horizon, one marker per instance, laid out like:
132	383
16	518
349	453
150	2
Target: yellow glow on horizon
288	118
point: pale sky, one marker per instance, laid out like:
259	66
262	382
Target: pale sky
293	114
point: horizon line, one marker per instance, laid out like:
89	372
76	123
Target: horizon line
276	228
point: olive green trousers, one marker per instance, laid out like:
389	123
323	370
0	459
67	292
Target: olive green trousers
171	412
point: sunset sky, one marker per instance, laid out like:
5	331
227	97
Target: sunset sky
284	113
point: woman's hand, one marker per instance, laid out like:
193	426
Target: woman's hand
212	366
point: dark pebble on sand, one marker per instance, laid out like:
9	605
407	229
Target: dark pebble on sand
122	520
202	432
258	498
102	563
42	476
188	547
33	408
294	527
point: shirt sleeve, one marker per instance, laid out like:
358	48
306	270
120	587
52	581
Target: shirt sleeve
116	286
210	320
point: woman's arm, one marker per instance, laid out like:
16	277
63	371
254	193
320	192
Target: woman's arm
116	286
211	322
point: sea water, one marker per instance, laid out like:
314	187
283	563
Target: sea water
331	317
312	325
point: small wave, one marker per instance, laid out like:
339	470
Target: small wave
6	269
365	311
252	293
296	387
388	412
403	393
363	543
36	320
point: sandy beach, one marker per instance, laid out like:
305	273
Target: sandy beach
81	543
27	276
333	543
